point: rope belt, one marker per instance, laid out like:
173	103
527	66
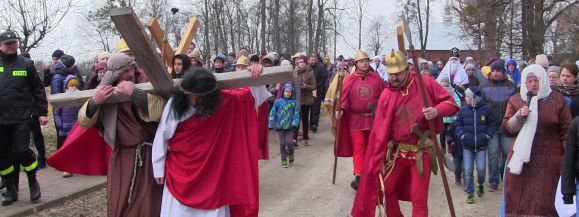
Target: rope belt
402	149
138	163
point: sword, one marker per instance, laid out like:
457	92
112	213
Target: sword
440	157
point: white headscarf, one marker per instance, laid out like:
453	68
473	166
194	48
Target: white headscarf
524	141
453	65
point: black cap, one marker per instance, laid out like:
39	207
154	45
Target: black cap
8	36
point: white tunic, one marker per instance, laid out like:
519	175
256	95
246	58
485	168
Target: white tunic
167	126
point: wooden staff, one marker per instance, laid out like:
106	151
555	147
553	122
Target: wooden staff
439	156
336	109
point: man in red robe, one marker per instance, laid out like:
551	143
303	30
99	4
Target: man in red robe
406	173
360	94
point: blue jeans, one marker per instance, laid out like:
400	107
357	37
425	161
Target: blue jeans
470	158
499	144
576	195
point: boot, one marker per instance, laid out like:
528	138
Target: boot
33	185
10	196
354	183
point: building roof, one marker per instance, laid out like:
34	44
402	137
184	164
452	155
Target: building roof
441	36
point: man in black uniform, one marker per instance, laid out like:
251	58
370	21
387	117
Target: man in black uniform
21	95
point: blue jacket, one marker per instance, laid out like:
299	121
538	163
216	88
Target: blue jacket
285	114
475	126
64	118
497	94
515	75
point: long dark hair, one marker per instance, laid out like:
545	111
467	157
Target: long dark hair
196	81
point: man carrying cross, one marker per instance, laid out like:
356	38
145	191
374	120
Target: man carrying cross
204	151
400	157
129	128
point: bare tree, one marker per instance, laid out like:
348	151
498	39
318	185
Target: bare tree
377	35
33	20
360	8
413	9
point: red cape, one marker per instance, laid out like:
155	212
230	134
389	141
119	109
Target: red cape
212	161
84	152
344	146
382	132
263	130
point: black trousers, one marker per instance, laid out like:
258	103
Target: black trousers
38	138
315	114
304	121
15	148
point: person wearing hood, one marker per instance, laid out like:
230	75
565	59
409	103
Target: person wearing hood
540	125
358	103
482	80
129	129
496	94
284	117
475	126
181	63
65	118
447	121
512	72
455	72
196	59
379	68
63	68
219	64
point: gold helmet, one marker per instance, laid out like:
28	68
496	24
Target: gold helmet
242	60
395	62
122	46
360	55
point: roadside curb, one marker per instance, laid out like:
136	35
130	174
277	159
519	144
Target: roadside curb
56	201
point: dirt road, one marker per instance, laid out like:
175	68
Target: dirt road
305	188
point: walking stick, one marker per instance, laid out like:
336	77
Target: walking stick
336	109
440	158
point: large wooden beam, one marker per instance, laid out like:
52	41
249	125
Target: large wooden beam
161	40
400	37
229	80
189	35
134	34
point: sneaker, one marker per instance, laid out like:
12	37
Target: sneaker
284	163
291	159
481	190
493	188
470	198
314	128
66	174
306	143
295	143
458	182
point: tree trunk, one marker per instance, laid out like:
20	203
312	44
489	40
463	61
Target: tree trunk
292	28
262	35
310	26
276	29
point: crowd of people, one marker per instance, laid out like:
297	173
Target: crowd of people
516	115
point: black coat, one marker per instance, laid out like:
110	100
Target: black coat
21	90
570	163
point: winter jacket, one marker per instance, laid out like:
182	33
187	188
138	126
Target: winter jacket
515	76
452	92
307	85
64	118
284	114
496	94
21	90
475	126
321	75
570	172
456	149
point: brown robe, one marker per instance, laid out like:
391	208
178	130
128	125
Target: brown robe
147	195
532	193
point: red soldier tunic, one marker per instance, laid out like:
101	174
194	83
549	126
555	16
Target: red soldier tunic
360	94
398	110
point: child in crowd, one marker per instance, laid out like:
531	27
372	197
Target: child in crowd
65	118
455	148
475	126
445	82
284	117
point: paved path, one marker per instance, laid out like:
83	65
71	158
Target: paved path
55	190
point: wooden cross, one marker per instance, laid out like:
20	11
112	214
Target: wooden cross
400	36
163	44
133	32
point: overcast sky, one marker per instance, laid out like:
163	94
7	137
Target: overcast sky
66	36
